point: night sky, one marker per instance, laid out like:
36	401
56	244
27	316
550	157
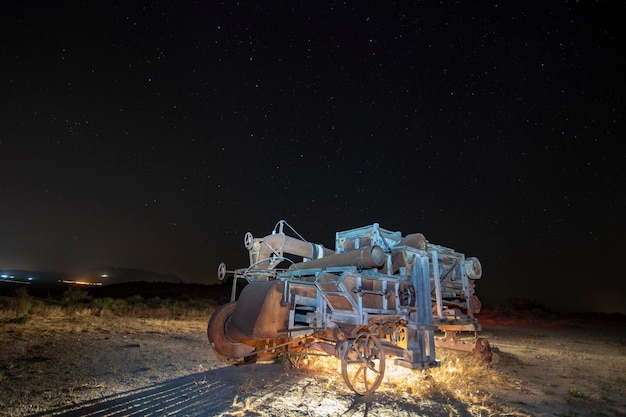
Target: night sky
153	135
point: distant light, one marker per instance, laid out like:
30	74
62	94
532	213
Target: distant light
4	276
104	275
67	281
30	278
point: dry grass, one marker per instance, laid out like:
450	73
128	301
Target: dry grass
459	378
77	312
83	321
243	408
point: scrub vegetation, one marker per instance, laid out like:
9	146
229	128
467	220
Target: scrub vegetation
72	350
77	308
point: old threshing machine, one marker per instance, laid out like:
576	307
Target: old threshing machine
377	296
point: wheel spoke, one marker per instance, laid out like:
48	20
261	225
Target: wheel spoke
356	375
363	364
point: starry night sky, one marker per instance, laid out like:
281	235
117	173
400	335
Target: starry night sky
153	135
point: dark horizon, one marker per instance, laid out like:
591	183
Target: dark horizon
46	278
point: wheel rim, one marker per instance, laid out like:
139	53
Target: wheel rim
363	364
221	271
248	240
219	338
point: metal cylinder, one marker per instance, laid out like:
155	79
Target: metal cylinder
282	244
414	240
473	268
368	257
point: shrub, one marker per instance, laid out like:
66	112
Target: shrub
115	306
135	300
575	393
20	320
74	299
24	302
23	306
75	295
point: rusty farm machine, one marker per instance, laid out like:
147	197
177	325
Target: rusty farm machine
377	296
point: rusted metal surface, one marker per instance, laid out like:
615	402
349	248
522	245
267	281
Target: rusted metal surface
221	341
478	346
365	258
378	294
267	252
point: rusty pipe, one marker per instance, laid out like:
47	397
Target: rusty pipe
368	257
414	240
281	244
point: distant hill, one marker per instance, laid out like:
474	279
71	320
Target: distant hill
219	293
111	275
90	277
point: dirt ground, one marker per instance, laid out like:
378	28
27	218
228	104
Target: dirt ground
540	368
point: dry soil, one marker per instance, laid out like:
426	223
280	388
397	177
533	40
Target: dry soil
549	367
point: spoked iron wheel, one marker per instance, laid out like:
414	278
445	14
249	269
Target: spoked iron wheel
363	364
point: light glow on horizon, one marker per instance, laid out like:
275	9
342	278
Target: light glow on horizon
72	282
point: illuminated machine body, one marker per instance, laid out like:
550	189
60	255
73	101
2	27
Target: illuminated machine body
377	296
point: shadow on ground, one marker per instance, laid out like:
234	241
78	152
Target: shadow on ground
189	395
246	390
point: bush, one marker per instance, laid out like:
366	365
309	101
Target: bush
116	306
75	295
575	393
20	320
23	306
155	302
78	300
23	303
74	299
